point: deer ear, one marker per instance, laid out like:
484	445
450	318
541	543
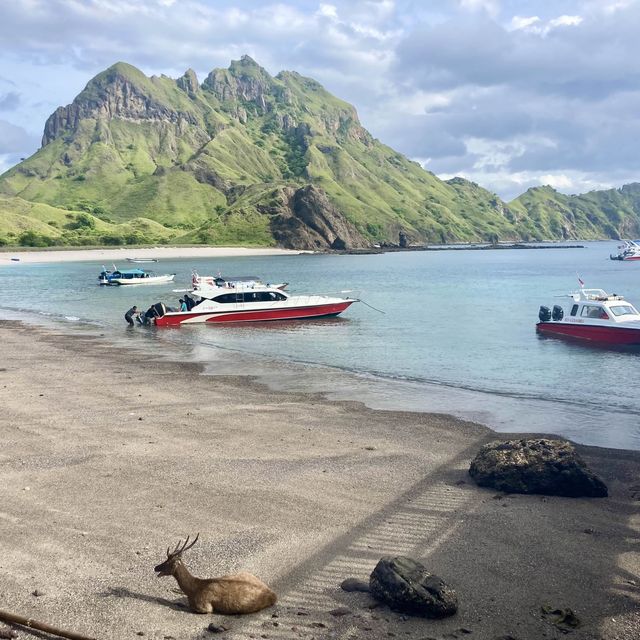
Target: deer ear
168	552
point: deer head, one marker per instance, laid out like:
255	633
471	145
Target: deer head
168	567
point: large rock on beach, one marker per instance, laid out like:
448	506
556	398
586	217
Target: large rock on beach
538	465
405	585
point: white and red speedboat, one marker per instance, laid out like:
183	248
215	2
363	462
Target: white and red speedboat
594	315
249	302
630	250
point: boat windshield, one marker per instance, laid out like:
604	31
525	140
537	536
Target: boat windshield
623	310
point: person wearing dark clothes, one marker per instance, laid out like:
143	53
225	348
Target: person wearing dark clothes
130	314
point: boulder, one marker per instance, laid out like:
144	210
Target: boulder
405	585
537	465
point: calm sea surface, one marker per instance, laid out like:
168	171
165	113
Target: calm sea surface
455	332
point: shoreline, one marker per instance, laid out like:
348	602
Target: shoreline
59	254
104	466
121	254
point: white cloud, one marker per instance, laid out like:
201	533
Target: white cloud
328	11
565	21
558	180
520	22
534	24
422	102
6	162
611	6
492	7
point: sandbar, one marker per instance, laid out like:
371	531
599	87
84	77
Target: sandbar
110	455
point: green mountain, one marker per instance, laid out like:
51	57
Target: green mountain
249	159
611	213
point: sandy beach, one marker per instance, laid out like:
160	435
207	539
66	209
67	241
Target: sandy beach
110	456
121	254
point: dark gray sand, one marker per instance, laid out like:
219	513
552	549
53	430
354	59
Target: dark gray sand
107	458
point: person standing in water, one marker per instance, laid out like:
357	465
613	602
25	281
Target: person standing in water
130	315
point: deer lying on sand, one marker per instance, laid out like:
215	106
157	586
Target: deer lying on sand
239	593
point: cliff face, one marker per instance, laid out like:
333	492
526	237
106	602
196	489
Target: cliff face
250	158
306	219
116	94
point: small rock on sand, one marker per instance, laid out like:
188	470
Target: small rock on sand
405	585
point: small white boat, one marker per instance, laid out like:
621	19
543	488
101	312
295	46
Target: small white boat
232	282
630	250
142	260
133	276
594	315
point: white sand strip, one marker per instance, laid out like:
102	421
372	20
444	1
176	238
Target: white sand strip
121	254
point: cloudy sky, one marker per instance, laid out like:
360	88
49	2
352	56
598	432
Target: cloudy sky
508	93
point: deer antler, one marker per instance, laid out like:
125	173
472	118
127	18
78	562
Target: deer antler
180	549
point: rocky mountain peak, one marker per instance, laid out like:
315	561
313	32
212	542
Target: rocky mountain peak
121	91
244	81
189	82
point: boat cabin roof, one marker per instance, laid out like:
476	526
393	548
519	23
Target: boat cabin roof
132	272
238	278
600	305
594	295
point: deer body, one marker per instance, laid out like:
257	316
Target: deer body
233	594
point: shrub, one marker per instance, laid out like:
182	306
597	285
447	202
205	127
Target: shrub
33	239
111	240
82	221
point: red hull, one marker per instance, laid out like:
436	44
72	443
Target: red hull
255	315
608	335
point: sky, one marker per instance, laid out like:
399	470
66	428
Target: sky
508	93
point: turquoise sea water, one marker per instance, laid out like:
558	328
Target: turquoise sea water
457	334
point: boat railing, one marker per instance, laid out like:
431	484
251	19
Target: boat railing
595	295
331	294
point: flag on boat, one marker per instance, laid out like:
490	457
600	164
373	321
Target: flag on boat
580	281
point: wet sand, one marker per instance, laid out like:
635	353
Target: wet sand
109	456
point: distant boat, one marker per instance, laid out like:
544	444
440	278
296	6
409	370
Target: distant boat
15	259
232	282
630	250
142	259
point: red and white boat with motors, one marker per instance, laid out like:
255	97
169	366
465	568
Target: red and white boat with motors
594	315
630	250
249	301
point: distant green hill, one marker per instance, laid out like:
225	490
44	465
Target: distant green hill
249	159
611	213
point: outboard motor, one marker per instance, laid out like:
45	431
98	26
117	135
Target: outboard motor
544	314
160	309
156	310
557	313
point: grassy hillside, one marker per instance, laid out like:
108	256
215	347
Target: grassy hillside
543	212
138	159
